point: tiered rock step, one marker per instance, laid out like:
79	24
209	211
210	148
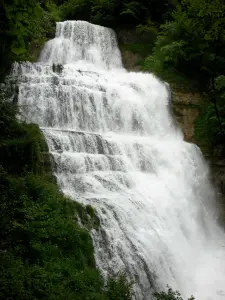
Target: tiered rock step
90	162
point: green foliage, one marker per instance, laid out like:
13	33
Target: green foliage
149	29
114	13
45	254
208	123
25	25
44	251
193	42
119	288
77	9
23	151
103	12
190	50
21	145
8	121
170	295
42	242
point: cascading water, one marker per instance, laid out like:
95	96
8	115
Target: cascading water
116	147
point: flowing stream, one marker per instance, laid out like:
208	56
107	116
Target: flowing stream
116	147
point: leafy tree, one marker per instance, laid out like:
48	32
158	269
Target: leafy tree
116	13
193	43
25	26
192	46
77	10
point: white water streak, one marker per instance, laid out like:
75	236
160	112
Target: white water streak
116	147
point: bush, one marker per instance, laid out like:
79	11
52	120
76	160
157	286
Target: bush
170	295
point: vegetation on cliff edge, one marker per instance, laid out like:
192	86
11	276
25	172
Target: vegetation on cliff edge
46	251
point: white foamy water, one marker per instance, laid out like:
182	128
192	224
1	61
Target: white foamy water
116	147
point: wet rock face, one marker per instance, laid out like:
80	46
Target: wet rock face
130	60
186	110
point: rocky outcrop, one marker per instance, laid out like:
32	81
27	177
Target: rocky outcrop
134	47
130	60
186	110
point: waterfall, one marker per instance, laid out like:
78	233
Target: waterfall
116	147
